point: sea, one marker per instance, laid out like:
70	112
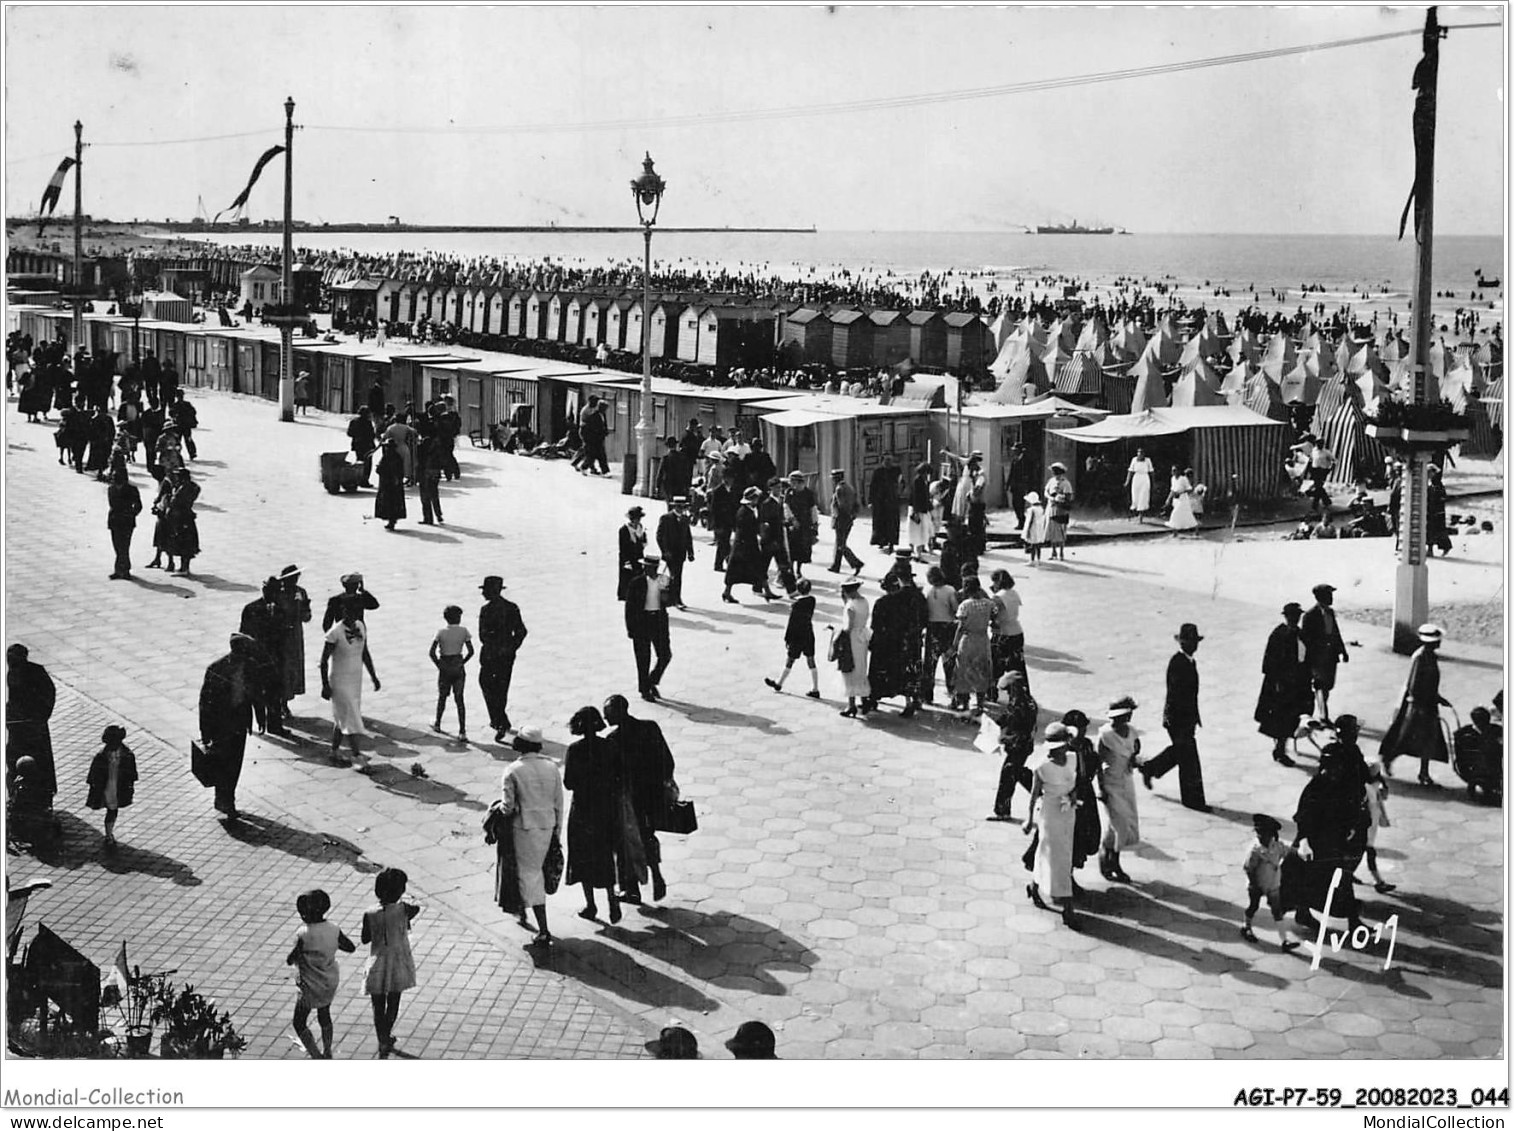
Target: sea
1337	264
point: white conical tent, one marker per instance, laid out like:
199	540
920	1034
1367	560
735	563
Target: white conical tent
1280	356
1003	325
1369	391
1191	390
1150	390
1017	354
1128	341
1165	343
1300	386
1245	347
1205	372
1013	377
1095	334
1234	383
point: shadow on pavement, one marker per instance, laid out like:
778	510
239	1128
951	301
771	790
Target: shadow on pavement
392	779
722	617
720	717
686	622
81	844
410	735
471	532
211	581
684	937
423	535
603	967
1045	659
321	848
161	586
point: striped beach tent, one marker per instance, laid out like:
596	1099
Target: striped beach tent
1263	398
1333	393
1492	400
1078	375
1358	457
1014	373
1486	440
1116	388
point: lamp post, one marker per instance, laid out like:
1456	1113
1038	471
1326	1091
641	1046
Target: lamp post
647	190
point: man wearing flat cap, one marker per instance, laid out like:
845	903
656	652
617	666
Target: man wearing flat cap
843	513
1286	693
500	635
353	590
675	538
647	626
1180	717
226	696
1323	645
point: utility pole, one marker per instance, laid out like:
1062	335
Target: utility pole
286	326
1411	593
78	295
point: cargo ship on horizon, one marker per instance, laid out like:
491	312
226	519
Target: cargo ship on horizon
1074	229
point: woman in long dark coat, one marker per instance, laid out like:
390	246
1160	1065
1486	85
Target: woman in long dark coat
183	525
631	543
883	497
1332	816
390	502
894	650
745	566
1416	728
599	841
1017	738
1287	693
800	522
1086	829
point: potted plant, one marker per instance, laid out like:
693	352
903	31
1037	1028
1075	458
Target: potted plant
1417	425
192	1030
137	1006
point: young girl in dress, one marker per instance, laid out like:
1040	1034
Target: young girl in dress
391	968
1033	533
112	779
314	957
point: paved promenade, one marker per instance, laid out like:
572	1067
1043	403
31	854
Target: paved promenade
843	886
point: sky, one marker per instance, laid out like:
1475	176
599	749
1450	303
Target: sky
419	113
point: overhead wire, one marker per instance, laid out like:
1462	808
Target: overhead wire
906	101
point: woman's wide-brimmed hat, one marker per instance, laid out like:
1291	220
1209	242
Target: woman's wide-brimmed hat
1124	705
751	494
1059	468
850	585
289	571
527	736
1057	733
1032	498
1431	633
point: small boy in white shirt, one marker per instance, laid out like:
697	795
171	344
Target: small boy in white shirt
1264	877
450	652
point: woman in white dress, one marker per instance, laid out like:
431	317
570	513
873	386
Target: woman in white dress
1052	784
1181	497
855	611
1138	480
342	663
1119	746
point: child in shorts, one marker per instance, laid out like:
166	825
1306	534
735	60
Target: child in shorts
314	957
1264	877
450	652
799	638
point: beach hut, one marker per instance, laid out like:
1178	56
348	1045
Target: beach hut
515	313
259	287
966	342
851	339
573	328
592	319
615	319
165	306
355	300
665	319
386	300
813	434
1237	453
890	337
688	333
736	336
537	306
632	320
497	312
806	334
927	338
994	429
557	317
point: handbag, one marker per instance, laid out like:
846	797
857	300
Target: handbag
496	825
552	865
202	765
841	651
682	818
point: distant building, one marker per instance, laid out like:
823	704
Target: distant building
260	288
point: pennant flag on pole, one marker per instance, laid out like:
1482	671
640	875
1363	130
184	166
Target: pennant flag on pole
51	194
252	180
120	973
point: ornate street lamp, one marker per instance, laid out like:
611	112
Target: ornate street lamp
647	191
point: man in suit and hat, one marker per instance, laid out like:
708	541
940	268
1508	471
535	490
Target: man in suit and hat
675	538
1323	646
1180	717
500	635
647	625
263	621
843	514
1018	480
353	591
646	770
226	697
